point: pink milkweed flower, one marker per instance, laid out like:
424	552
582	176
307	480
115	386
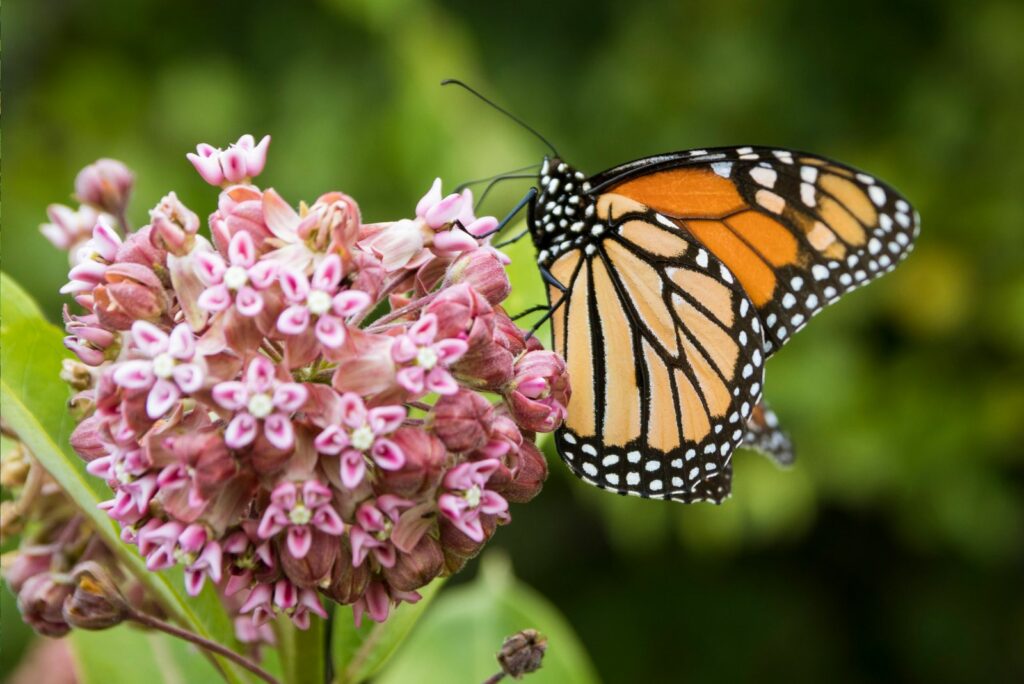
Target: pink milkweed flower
168	369
331	225
319	299
467	497
362	432
92	259
68	227
173	224
427	360
398	245
127	470
265	600
260	399
247	557
239	283
376	602
372	530
201	556
539	391
300	512
105	184
242	160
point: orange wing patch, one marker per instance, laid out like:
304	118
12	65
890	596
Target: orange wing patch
770	238
754	274
689	192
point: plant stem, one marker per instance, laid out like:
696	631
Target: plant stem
495	678
212	646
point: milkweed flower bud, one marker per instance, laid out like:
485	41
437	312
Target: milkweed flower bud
483	270
463	420
96	602
522	653
539	392
106	185
242	160
173	225
41	602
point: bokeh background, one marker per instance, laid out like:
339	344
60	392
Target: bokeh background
894	549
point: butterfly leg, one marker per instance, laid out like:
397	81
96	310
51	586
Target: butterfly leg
511	215
532	309
765	435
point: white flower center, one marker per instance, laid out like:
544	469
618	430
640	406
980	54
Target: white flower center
362	438
260	405
318	302
163	365
473	496
300	515
184	557
235	277
121	473
426	357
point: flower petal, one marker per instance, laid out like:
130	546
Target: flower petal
277	428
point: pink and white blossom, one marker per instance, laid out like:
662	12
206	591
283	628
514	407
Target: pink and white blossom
361	434
240	281
320	299
467	498
426	359
261	401
300	511
168	367
242	160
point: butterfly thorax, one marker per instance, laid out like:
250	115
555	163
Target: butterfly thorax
562	215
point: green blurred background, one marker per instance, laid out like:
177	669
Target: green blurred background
894	549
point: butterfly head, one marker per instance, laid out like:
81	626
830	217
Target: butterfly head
560	212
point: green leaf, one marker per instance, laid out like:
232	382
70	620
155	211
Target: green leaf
459	638
33	399
359	653
126	653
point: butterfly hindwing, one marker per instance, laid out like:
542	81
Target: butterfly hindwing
798	230
665	352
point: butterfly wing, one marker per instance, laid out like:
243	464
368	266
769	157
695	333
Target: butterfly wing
665	352
765	435
797	230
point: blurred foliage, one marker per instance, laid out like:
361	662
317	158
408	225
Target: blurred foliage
894	549
460	636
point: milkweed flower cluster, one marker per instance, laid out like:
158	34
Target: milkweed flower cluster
303	405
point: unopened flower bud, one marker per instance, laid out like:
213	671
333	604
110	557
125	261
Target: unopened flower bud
424	457
462	311
529	471
313	568
14	467
89	438
40	603
539	392
96	602
522	653
415	569
463	420
76	374
106	185
173	225
481	269
27	562
348	582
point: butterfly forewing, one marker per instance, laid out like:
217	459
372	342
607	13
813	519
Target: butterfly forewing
798	230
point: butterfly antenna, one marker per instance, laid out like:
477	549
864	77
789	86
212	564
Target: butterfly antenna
497	176
531	129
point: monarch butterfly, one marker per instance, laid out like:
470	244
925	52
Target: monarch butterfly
671	279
